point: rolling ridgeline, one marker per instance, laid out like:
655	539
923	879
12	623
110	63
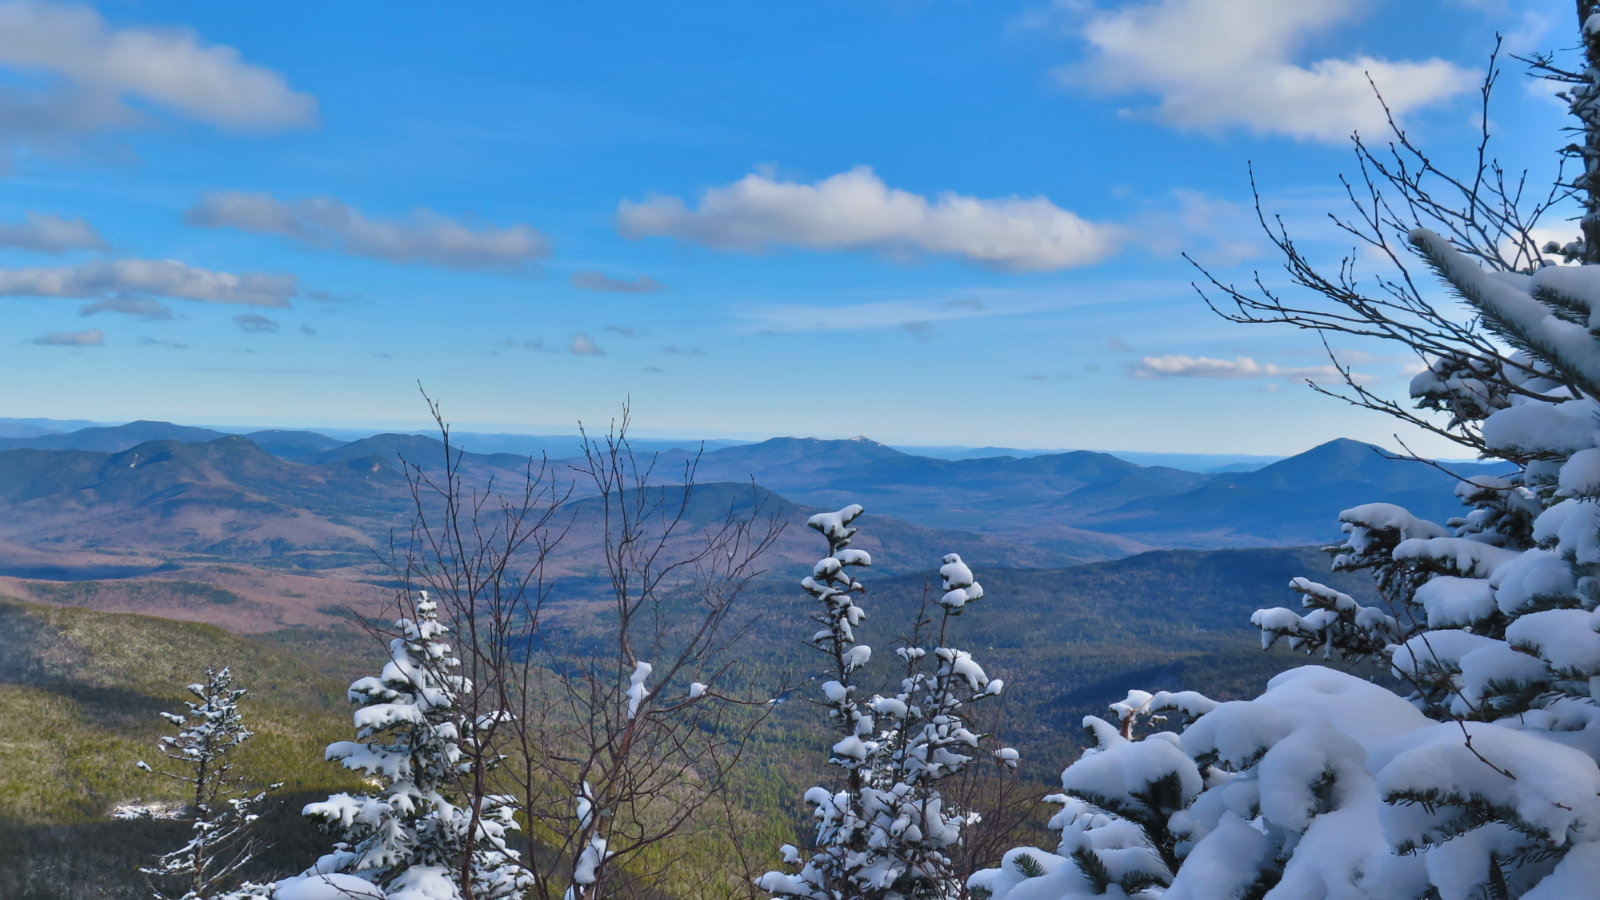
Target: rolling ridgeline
1101	575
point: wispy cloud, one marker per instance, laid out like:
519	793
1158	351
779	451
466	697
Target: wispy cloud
1217	64
909	314
50	234
91	338
856	210
328	223
101	79
682	351
596	280
250	323
537	345
100	279
322	296
1180	366
140	307
1213	231
156	342
628	331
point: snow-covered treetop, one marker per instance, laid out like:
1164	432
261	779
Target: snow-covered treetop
835	526
410	838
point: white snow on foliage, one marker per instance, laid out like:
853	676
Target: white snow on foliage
1568	345
636	688
1558	430
1565	639
885	830
1580	476
835	525
1548	787
1481	776
327	887
1453	602
1360	521
1253	778
411	835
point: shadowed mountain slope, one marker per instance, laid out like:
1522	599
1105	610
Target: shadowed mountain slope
1293	501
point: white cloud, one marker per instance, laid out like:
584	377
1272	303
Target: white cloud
95	70
1180	366
584	345
50	234
856	210
423	237
92	338
152	277
596	280
1214	64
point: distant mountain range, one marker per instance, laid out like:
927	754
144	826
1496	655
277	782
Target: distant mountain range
18	433
152	493
60	434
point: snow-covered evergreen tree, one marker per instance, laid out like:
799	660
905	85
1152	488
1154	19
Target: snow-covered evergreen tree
887	832
1481	779
421	836
221	803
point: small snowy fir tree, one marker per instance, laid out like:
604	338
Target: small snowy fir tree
220	802
886	832
419	837
1481	779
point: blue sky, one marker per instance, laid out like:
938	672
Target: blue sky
925	221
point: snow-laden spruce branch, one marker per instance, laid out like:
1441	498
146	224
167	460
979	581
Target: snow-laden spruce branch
221	802
418	834
887	830
1480	776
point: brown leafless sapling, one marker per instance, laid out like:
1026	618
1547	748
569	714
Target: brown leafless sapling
609	715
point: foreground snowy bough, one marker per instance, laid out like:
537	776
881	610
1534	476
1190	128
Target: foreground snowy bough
1481	777
1321	787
